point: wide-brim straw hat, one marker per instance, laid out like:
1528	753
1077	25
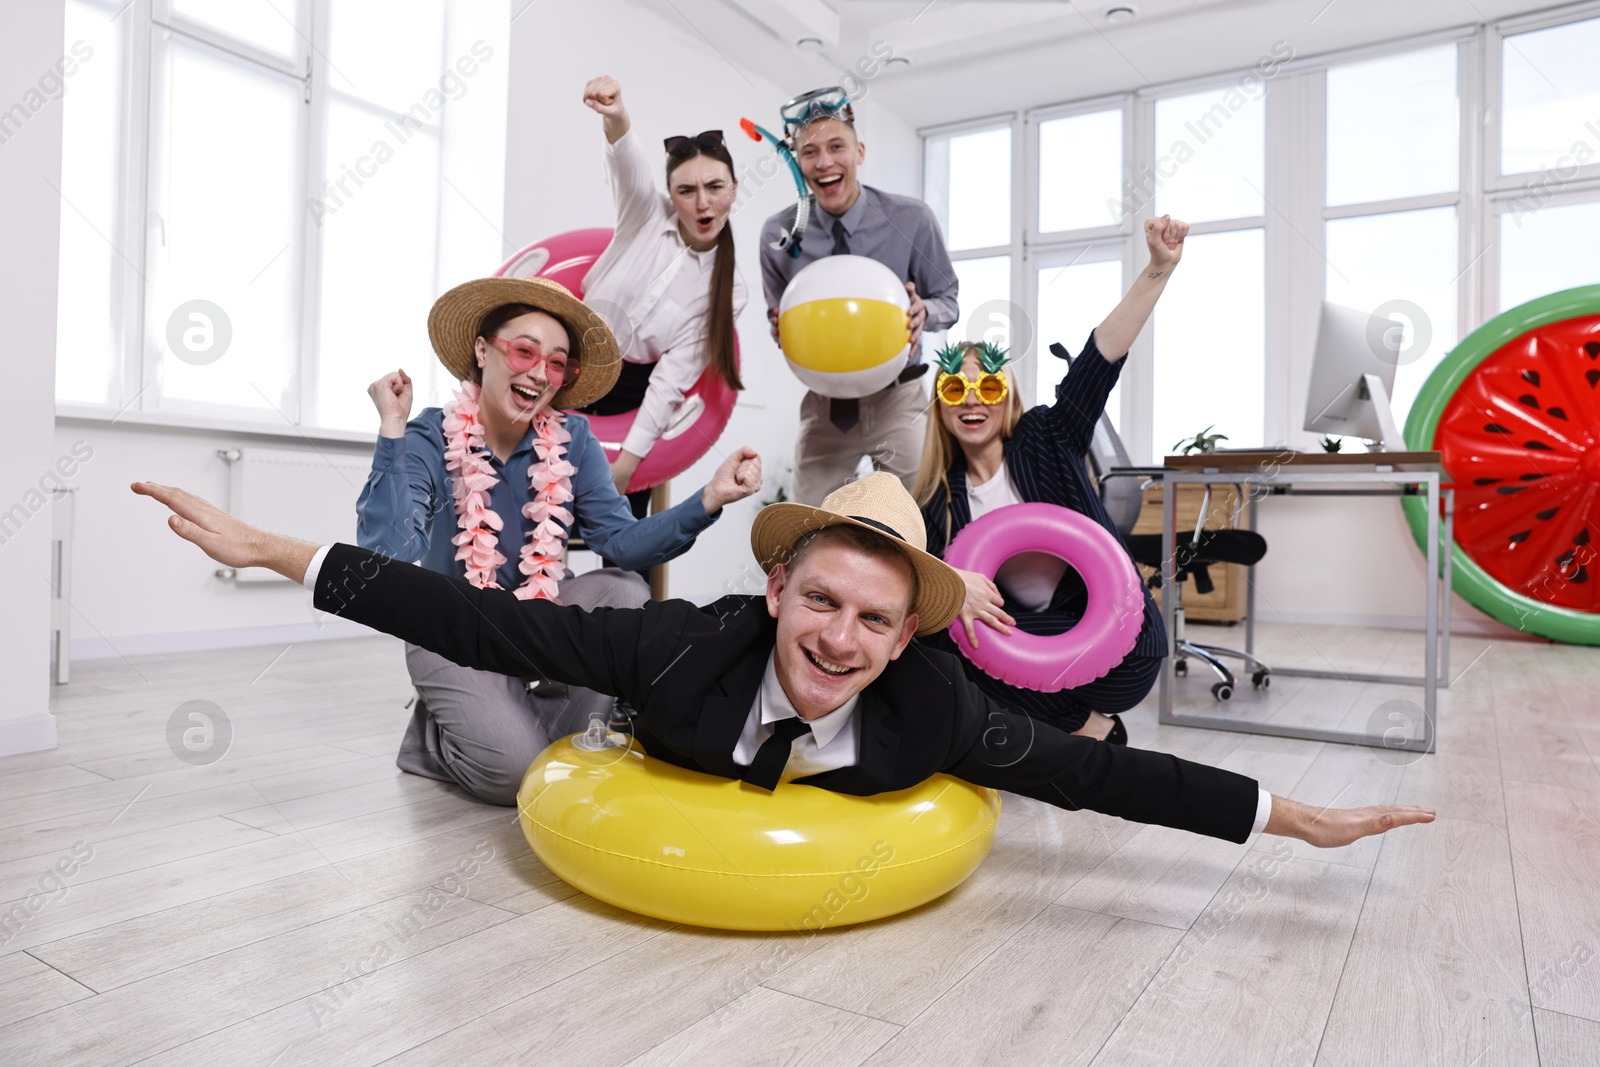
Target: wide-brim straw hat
880	503
453	328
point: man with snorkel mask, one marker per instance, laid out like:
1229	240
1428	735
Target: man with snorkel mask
840	216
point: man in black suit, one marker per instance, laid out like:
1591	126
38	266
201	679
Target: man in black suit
811	682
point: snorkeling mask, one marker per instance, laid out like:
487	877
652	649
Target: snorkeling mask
830	103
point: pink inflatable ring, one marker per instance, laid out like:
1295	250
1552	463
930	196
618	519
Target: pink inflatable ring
1110	625
566	258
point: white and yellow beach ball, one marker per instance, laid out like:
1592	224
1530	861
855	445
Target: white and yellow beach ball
843	326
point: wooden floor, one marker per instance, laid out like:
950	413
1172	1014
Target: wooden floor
250	909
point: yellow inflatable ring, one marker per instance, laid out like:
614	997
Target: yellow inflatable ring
693	848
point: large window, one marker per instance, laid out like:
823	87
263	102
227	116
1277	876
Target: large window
1076	288
1434	182
1547	200
967	178
371	225
222	301
1210	158
1550	98
1393	142
1546	251
89	314
1400	266
1209	369
986	302
1080	171
250	189
1392	127
1210	344
1077	249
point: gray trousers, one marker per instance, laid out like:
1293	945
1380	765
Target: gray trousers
479	729
893	424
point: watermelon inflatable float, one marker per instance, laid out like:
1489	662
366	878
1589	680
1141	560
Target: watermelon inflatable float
1514	411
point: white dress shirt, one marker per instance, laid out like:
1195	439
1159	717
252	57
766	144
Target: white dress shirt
660	285
834	740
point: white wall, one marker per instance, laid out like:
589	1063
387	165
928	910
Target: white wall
31	40
1348	561
673	82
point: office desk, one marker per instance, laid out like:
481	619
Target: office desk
1322	474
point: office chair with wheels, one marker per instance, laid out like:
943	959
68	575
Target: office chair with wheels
1194	557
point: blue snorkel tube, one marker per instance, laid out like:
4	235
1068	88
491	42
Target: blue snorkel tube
788	241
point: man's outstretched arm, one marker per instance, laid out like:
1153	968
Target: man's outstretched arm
1013	752
1333	827
226	539
487	629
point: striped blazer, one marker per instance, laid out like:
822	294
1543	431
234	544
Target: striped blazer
1046	457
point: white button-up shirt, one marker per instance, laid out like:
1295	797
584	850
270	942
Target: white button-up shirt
833	741
654	290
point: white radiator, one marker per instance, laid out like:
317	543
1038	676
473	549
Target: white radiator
301	492
64	502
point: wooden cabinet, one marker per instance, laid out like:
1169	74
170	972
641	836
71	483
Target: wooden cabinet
1226	602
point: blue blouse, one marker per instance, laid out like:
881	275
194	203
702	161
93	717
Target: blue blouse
406	510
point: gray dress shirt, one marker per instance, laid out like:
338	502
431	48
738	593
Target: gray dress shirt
900	232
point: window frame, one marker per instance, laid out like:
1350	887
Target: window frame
136	368
1033	121
1014	249
1140	422
1296	213
1109	248
1464	199
151	395
1493	67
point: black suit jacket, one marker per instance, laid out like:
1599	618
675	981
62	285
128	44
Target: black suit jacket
693	674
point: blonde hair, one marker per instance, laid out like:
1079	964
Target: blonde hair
939	447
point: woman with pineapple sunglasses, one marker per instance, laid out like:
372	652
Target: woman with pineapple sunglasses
983	452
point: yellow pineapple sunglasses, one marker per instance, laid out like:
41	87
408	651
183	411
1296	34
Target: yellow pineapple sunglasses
952	387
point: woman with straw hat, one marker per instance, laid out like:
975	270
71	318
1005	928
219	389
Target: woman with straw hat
503	465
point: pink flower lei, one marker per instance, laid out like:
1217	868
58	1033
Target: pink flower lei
472	478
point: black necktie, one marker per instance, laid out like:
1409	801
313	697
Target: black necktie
843	412
773	755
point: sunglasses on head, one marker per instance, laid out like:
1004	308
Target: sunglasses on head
706	141
991	388
522	356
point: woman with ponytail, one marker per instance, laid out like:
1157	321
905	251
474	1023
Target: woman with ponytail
667	282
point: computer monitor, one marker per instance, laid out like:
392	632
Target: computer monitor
1352	376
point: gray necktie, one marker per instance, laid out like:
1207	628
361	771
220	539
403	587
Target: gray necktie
843	412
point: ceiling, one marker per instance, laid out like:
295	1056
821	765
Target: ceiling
960	59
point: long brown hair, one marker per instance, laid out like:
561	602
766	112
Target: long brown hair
939	448
719	327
